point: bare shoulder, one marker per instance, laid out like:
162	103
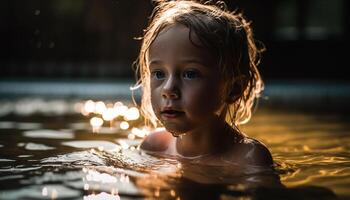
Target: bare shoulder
157	141
253	152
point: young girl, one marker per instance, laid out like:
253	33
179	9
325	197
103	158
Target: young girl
198	71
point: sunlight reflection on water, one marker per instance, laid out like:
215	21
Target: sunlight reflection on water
51	156
311	149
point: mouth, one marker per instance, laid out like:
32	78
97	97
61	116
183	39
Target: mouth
171	113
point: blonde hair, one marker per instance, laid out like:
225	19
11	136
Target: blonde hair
227	35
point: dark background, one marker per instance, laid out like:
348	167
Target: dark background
73	39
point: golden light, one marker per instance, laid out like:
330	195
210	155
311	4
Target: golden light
124	125
131	136
138	132
100	177
54	194
132	114
114	191
100	148
96	123
157	192
109	114
124	178
172	193
179	166
100	107
89	107
84	112
78	107
86	186
120	109
102	195
118	103
159	129
123	144
44	191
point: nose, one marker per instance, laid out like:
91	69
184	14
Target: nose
171	89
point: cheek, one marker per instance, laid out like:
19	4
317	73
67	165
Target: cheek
155	99
204	101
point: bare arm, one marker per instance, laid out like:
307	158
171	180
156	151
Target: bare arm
251	152
156	141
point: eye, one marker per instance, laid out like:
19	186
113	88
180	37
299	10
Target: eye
191	74
158	74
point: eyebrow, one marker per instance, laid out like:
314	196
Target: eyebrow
155	62
189	60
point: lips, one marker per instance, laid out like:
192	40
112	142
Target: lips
171	113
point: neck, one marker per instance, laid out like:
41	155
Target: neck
204	140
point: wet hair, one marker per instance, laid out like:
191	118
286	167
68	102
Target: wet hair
226	35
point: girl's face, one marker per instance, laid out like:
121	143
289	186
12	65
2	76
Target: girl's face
186	86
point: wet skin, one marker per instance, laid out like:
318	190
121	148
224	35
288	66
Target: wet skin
184	78
187	97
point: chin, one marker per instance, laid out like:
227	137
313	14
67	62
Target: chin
175	130
176	134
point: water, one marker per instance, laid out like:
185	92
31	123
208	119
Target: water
52	152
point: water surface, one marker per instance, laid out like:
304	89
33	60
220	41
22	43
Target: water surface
59	156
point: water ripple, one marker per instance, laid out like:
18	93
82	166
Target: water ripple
50	134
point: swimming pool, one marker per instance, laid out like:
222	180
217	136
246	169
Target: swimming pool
49	150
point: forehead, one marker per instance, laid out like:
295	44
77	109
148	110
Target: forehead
178	42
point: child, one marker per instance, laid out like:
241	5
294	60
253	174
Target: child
198	71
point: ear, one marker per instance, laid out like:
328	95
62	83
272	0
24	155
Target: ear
234	94
237	89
